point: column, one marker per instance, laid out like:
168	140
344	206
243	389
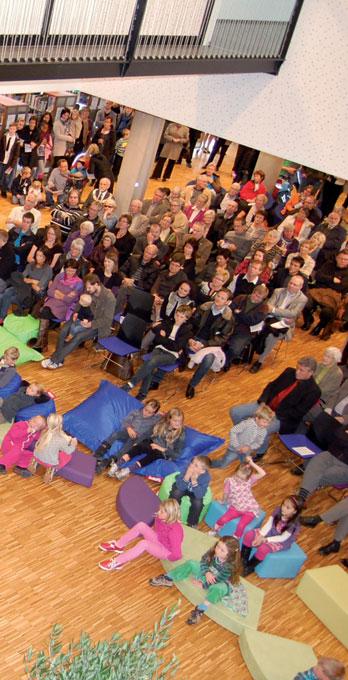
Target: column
138	160
271	166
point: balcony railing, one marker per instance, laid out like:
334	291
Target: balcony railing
68	38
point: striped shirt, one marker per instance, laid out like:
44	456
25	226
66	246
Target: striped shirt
247	433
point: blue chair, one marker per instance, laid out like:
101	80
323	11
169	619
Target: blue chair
294	443
216	510
126	343
282	564
11	387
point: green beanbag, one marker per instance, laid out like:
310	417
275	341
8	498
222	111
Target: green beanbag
26	353
166	488
266	654
23	327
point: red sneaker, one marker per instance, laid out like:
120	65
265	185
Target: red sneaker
110	565
110	546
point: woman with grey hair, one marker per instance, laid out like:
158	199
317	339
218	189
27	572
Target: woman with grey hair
84	233
76	253
328	375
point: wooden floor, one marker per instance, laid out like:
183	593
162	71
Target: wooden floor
48	570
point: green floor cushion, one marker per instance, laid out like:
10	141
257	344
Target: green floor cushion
325	592
195	545
26	353
265	654
23	327
165	490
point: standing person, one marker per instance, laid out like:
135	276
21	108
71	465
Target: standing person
9	153
239	497
84	138
44	149
103	306
193	483
99	165
175	136
17	445
217	570
31	138
279	532
54	448
163	542
61	136
120	150
105	112
105	138
167	442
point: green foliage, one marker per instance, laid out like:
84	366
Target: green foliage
115	659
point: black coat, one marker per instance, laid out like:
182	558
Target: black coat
181	339
25	246
149	274
295	405
7	261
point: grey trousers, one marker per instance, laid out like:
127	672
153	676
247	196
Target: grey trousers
339	514
324	470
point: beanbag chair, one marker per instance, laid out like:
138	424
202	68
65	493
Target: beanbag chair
23	327
26	353
11	387
103	412
166	488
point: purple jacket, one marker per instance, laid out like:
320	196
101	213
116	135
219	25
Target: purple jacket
62	309
89	243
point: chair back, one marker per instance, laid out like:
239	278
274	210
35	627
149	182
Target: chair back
132	330
140	304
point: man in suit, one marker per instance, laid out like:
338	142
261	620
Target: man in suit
155	207
9	152
285	304
290	396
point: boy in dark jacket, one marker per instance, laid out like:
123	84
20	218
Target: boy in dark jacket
193	483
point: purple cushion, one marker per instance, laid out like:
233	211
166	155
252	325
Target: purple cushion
136	502
80	469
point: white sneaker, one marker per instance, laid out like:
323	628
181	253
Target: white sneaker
45	363
212	532
113	469
53	365
123	473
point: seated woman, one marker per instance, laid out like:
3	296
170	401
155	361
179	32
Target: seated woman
125	242
108	214
84	232
75	253
50	239
54	448
27	288
67	214
109	276
166	442
189	264
171	337
101	251
195	212
317	241
270	248
62	296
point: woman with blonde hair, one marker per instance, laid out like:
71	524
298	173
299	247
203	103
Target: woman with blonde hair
99	165
54	448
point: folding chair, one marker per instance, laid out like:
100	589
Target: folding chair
165	369
300	446
140	304
126	343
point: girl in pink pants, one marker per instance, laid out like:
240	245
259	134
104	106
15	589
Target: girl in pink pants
164	541
239	497
18	442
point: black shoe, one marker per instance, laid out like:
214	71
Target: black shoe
343	328
255	367
307	324
154	386
141	396
190	392
298	470
103	448
101	466
22	472
20	312
258	457
3	470
310	521
195	616
330	548
345	562
4	194
316	330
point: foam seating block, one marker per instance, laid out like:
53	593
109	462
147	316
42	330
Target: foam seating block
80	469
166	488
43	409
195	545
23	327
216	510
26	353
282	564
11	387
103	412
136	502
265	654
325	592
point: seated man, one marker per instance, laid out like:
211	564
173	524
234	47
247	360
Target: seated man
22	239
204	245
244	284
337	515
249	312
102	308
56	184
282	275
236	240
167	281
15	217
100	194
213	324
290	396
223	223
331	285
139	221
67	213
285	304
151	238
155	207
138	272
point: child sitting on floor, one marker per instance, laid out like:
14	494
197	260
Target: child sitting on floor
163	542
325	669
54	448
193	483
7	365
239	497
17	445
246	436
167	441
278	533
27	395
218	568
82	313
138	425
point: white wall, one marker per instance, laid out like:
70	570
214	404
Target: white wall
300	114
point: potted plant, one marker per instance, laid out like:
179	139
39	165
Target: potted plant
114	659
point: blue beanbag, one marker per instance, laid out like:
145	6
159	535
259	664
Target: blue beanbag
103	412
43	409
11	387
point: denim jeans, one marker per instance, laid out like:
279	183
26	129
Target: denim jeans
146	372
244	411
230	455
202	369
64	348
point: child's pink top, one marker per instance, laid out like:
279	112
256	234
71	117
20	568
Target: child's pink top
171	536
238	494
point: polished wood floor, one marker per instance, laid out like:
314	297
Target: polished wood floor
49	555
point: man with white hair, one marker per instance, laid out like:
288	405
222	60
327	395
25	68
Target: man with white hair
192	191
260	202
15	217
231	195
140	222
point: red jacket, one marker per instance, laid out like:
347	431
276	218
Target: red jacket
248	192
